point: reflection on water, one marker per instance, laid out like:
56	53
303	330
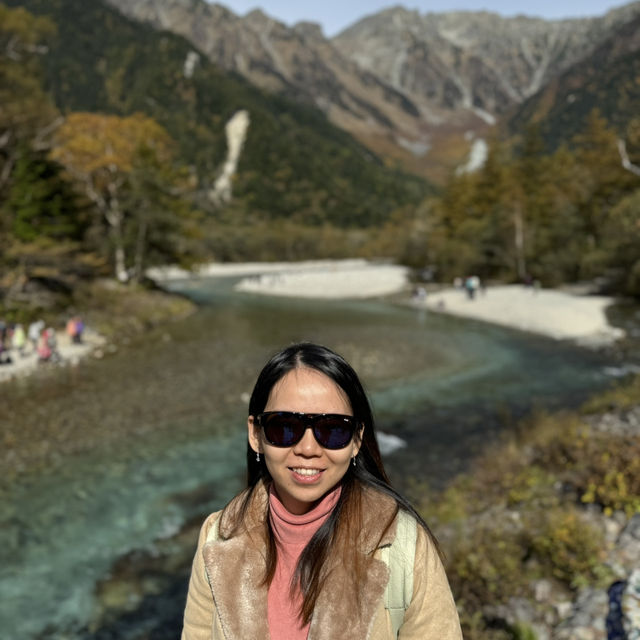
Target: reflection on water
144	431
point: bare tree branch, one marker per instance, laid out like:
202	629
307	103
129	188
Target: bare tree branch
39	143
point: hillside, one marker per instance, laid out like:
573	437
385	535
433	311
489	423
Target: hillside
606	80
295	165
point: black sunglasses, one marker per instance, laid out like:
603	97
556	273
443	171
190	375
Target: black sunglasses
286	428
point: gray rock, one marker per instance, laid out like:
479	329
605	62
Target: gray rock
627	551
631	606
587	620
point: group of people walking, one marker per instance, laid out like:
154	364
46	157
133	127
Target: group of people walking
37	338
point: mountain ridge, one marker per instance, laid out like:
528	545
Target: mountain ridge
413	87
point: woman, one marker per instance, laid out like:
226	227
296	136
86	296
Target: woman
299	553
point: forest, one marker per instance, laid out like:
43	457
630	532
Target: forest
106	160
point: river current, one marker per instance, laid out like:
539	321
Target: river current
98	544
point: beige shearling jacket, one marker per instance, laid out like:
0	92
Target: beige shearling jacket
226	600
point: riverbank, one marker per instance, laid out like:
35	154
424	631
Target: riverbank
336	279
557	314
68	353
112	313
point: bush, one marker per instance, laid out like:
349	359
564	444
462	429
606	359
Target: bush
518	515
568	548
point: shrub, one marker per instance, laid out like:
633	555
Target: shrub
569	548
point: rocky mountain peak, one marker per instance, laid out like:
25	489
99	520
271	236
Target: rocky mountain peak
309	30
257	17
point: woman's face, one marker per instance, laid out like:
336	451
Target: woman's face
303	473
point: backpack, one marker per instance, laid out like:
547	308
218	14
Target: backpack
399	556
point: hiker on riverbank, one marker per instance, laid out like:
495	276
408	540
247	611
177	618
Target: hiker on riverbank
33	333
19	339
48	346
319	544
74	328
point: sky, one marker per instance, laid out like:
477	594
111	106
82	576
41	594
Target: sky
335	15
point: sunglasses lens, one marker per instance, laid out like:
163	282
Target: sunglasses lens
282	429
333	432
285	429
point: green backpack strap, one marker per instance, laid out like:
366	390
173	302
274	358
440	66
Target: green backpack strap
399	556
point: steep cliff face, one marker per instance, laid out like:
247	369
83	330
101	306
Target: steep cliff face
492	62
605	79
409	85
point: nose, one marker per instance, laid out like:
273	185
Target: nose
308	445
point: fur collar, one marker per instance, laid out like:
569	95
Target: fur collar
235	566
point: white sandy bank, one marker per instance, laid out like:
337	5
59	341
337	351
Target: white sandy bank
552	313
353	278
332	279
230	269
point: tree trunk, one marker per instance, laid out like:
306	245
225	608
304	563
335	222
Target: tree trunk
114	218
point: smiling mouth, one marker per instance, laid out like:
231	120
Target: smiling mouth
306	472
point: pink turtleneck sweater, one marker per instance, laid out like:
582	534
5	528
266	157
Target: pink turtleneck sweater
292	534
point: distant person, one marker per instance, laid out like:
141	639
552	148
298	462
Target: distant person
5	356
43	348
74	328
33	333
19	339
471	285
420	294
307	549
48	346
77	339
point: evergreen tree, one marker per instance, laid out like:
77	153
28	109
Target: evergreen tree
40	203
602	181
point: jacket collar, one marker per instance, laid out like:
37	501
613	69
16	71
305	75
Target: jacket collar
235	567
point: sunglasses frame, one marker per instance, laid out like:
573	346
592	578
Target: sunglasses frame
309	421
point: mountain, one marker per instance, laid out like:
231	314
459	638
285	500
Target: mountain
606	79
412	86
477	61
294	166
298	62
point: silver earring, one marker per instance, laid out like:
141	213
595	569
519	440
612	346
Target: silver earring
354	461
257	456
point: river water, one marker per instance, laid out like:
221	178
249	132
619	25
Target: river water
96	543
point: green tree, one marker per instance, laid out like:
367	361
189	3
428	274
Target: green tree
112	158
601	182
622	243
27	115
163	225
41	203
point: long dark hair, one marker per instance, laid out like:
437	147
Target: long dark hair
368	471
